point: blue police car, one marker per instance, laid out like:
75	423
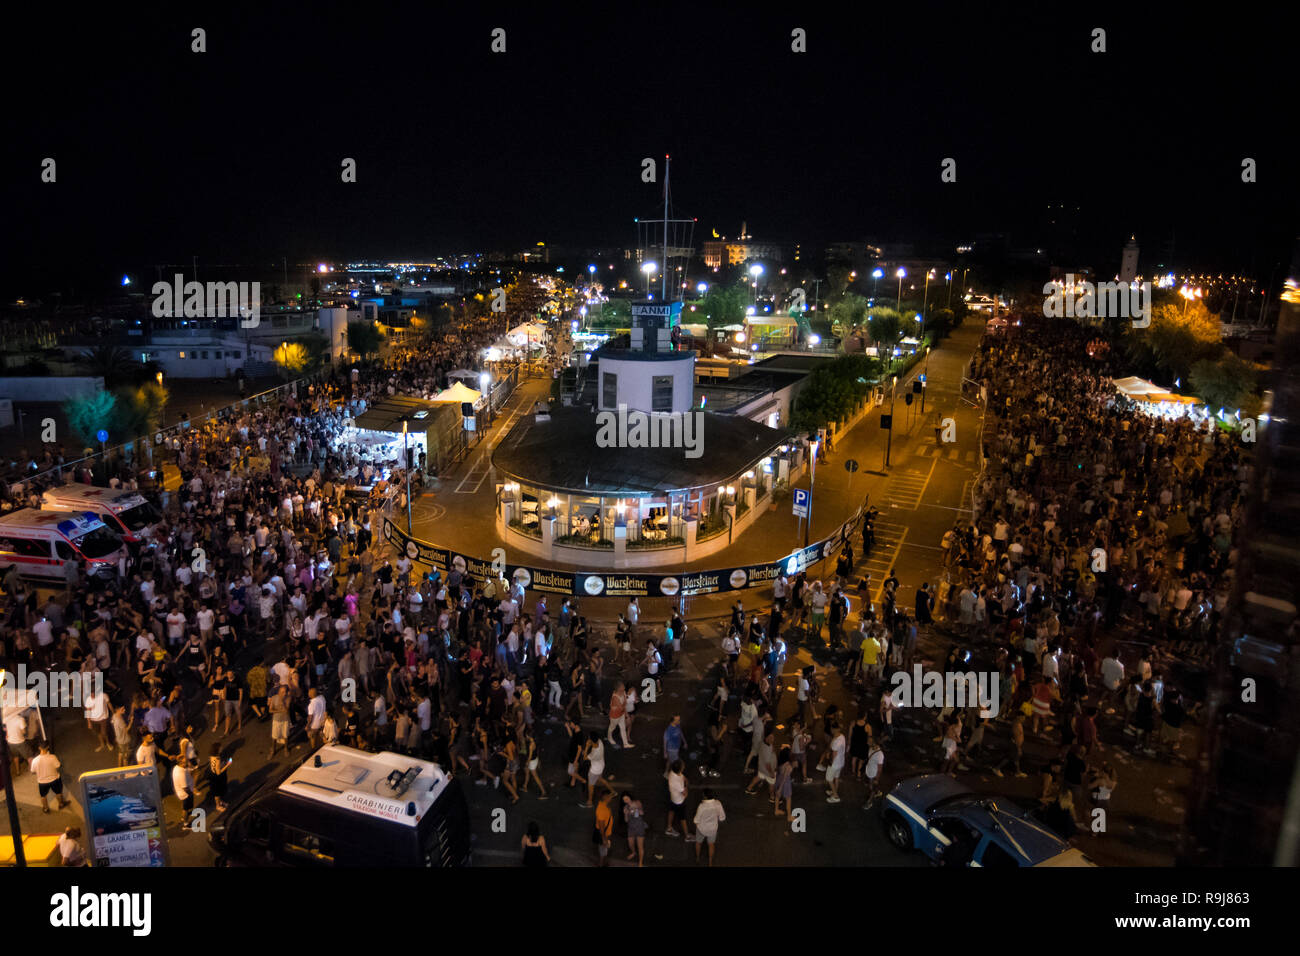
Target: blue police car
954	826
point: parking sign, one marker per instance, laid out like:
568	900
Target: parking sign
801	499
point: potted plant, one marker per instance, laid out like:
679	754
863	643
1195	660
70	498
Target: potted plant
780	492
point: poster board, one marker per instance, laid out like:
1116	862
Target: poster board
125	824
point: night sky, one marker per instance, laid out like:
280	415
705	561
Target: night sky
233	155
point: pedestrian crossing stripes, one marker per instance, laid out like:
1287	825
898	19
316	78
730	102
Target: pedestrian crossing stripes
947	452
906	488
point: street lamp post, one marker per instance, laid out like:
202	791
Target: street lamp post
901	273
877	274
6	768
889	439
647	268
755	271
925	300
947	277
925	379
812	484
406	449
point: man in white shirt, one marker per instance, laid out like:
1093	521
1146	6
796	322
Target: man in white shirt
175	627
96	710
315	717
49	778
206	618
70	852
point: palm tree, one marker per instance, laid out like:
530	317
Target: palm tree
111	362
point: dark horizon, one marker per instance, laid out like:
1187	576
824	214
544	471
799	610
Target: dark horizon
234	155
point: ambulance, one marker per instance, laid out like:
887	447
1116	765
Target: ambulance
345	807
127	513
41	544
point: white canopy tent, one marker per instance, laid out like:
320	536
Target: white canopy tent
526	334
1135	387
459	392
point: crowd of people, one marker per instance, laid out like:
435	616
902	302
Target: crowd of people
267	552
1101	537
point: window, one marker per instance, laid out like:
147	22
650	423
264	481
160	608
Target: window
64	550
661	396
609	390
25	547
994	855
236	355
306	846
180	355
204	354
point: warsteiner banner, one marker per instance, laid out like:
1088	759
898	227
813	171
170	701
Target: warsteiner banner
624	583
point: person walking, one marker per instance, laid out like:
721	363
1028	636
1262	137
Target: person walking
595	754
836	767
875	763
618	716
603	833
1017	748
183	786
279	709
532	761
634	817
674	741
49	777
677	790
708	816
217	780
533	845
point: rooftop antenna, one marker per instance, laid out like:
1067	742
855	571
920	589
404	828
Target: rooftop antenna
679	248
663	273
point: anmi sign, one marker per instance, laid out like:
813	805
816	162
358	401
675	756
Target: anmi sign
75	910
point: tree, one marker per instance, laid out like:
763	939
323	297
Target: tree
112	363
1179	336
837	281
88	414
825	397
614	314
847	314
886	328
364	338
293	358
1228	383
723	305
138	411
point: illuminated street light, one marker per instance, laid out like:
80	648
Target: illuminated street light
901	274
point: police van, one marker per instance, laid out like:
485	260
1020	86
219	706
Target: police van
347	807
40	544
126	512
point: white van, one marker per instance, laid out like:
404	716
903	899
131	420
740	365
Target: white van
40	544
127	513
347	807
